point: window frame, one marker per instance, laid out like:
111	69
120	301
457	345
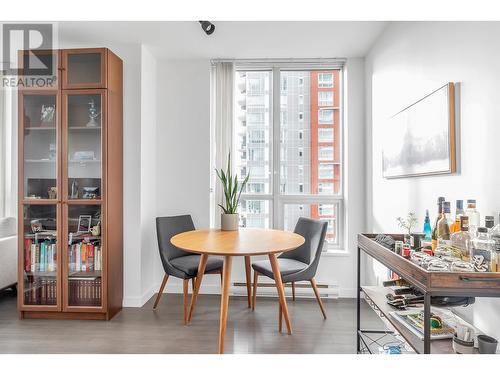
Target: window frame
278	200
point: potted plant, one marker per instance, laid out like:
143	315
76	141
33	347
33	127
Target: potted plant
232	192
409	223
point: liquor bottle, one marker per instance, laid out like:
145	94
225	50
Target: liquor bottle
443	228
482	251
474	216
434	230
495	236
459	211
461	239
427	226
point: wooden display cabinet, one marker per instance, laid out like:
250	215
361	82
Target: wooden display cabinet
71	190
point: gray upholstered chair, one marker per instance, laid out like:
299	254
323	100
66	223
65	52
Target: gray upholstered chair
177	262
299	264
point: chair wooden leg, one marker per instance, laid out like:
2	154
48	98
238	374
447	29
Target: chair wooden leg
255	283
193	282
199	278
248	272
281	291
221	277
293	290
280	319
185	287
318	298
160	292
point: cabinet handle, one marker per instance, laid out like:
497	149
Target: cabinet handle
467	278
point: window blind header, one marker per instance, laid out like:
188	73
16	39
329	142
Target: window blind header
292	64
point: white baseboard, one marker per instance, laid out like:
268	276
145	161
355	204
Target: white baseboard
332	292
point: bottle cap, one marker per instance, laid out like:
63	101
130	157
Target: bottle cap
482	230
446	207
489	221
471	201
440	199
460	204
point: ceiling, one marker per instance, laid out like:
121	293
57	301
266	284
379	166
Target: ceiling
242	39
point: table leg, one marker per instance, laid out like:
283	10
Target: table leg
224	301
199	277
248	272
281	291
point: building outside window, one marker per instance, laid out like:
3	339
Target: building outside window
325	116
301	177
325	98
325	80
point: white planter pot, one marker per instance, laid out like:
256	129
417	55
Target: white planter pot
229	221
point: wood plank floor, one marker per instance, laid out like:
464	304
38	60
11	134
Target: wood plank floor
142	330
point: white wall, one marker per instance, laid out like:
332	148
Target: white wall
407	62
183	169
148	248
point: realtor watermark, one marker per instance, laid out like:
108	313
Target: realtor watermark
29	56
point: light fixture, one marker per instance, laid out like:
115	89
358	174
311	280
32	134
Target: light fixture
207	27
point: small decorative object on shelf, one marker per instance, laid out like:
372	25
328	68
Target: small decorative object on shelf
52	192
47	114
90	192
232	193
93	115
96	229
409	223
74	189
84	223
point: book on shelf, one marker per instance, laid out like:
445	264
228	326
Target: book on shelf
41	291
40	256
412	319
85	257
84	291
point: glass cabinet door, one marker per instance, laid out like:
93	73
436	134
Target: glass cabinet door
84	256
83	68
40	255
40	147
83	125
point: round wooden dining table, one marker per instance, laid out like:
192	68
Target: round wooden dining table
244	242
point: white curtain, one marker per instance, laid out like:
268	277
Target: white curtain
222	86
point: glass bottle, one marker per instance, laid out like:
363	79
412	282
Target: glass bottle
474	216
489	222
443	228
495	236
482	251
461	239
459	211
434	230
427	226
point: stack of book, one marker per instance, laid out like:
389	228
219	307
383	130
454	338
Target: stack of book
85	257
40	256
85	291
41	291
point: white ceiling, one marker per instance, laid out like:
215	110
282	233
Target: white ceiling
245	39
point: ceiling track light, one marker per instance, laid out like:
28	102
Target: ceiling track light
208	27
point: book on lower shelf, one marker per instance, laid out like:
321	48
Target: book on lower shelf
412	319
85	257
41	291
84	291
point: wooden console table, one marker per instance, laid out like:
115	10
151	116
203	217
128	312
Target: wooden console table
458	284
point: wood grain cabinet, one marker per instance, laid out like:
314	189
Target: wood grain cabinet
71	190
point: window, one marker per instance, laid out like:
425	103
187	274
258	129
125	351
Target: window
294	175
325	135
325	153
325	116
325	98
325	171
325	80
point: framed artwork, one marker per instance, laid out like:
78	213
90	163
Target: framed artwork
84	223
420	139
